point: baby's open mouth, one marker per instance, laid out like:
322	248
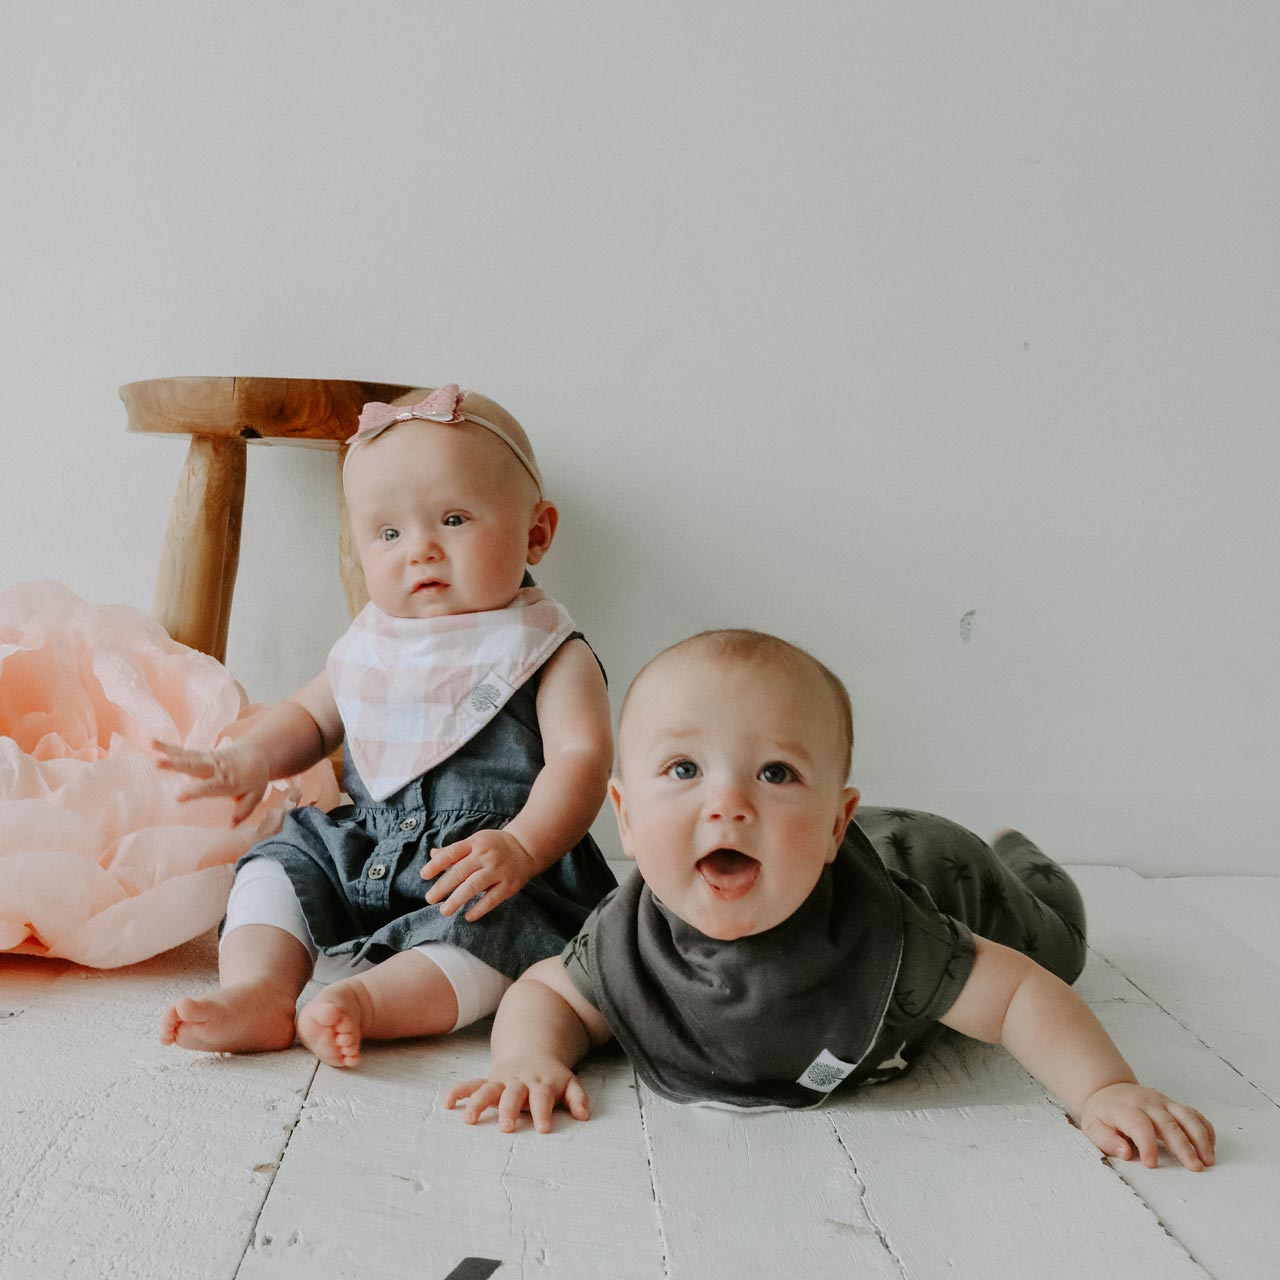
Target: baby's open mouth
430	585
728	873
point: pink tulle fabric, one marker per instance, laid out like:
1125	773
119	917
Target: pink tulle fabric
99	862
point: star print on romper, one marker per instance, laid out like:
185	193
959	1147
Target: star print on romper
993	892
900	846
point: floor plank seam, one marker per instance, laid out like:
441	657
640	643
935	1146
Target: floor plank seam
1160	1222
511	1205
9	1207
653	1183
1179	1242
271	1181
1112	1167
1173	1017
1253	1084
1191	905
862	1201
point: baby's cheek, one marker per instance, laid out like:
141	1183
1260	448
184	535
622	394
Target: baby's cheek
657	847
813	845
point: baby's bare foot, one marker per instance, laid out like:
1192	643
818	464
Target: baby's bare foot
330	1026
246	1018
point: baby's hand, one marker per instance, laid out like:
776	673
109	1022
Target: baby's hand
1147	1119
229	771
491	863
514	1087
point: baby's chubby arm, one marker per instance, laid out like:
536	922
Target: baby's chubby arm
577	746
292	736
1010	1000
543	1028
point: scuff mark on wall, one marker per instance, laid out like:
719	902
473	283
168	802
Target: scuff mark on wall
966	625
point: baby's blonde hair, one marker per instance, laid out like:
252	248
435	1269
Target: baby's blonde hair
737	644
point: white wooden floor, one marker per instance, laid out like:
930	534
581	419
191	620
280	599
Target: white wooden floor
122	1158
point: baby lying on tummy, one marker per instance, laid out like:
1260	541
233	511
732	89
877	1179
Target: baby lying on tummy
770	948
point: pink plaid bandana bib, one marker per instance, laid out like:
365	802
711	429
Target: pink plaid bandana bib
411	691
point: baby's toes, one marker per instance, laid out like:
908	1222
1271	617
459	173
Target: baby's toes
169	1023
345	1041
331	1016
329	1031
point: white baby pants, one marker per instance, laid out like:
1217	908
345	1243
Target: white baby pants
263	894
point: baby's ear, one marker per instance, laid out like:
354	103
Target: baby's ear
542	530
619	803
849	798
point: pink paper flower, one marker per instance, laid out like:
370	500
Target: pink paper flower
99	862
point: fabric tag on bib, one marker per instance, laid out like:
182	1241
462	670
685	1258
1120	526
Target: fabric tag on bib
825	1072
490	694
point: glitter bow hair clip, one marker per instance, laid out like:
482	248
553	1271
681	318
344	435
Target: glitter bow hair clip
440	406
444	404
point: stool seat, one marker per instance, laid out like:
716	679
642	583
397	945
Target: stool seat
201	553
317	412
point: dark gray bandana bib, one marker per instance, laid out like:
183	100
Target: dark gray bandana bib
774	1019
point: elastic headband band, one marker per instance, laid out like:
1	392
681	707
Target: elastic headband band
442	405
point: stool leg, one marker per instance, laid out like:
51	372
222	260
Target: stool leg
348	558
231	550
202	546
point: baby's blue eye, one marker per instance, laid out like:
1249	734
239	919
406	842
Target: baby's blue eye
682	770
389	535
454	521
776	772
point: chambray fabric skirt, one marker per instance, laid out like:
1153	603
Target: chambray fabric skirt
356	869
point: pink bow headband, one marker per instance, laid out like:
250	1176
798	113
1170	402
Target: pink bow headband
442	405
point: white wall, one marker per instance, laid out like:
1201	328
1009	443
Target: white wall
845	325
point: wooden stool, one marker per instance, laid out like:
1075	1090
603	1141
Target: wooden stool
197	573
